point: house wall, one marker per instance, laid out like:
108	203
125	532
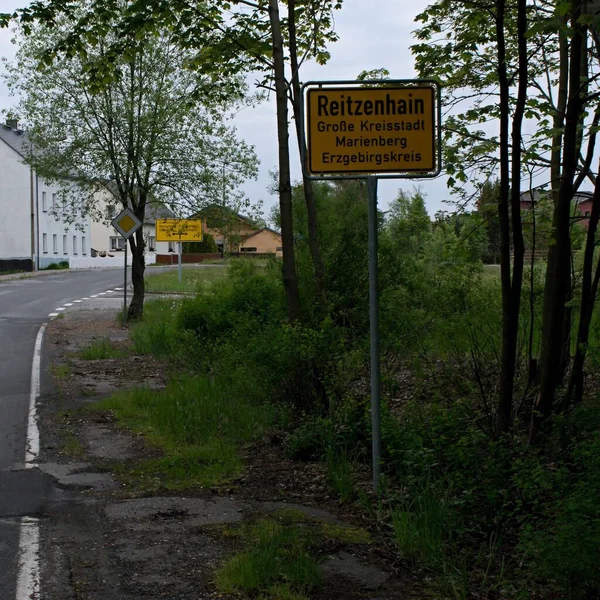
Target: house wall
58	240
235	231
265	242
103	231
15	202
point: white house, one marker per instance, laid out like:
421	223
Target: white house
106	239
32	236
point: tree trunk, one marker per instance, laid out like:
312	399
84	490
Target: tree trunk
138	266
309	196
511	290
589	289
559	255
290	279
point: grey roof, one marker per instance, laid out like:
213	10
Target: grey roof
539	194
154	211
16	139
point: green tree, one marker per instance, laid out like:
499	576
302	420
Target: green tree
154	133
506	62
241	39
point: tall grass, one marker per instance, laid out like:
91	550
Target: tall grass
199	423
277	563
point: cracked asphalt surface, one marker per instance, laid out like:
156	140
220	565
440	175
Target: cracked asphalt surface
24	307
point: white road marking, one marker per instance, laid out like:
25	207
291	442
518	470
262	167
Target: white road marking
86	298
69	304
100	294
118	289
95	296
53	314
33	434
28	579
77	301
61	308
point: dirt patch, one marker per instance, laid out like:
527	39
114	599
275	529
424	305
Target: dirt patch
106	540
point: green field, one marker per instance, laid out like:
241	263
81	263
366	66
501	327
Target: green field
168	281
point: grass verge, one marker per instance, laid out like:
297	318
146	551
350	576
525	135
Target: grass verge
190	281
200	426
277	564
101	350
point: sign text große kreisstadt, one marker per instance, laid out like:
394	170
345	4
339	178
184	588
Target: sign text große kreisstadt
371	130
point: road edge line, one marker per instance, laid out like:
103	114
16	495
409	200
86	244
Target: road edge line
28	577
32	450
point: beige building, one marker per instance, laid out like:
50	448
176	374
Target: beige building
263	241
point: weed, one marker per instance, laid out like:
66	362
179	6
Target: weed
419	527
191	279
339	475
101	350
71	445
277	565
60	371
345	533
291	515
199	424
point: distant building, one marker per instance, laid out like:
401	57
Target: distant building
32	233
105	239
582	203
263	241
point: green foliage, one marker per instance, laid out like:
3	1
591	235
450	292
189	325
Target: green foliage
57	266
419	528
207	245
102	349
278	563
191	279
339	474
199	423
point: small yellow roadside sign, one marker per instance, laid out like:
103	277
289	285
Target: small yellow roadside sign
371	129
178	230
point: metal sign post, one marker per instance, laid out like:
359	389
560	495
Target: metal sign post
372	130
126	223
179	252
374	330
125	287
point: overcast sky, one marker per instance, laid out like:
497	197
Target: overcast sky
373	34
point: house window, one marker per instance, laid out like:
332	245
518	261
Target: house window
45	243
74	244
44	206
53	201
587	213
151	243
247	249
65	245
279	249
117	243
111	212
171	246
55	243
83	245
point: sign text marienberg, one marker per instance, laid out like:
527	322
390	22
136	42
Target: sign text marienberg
371	129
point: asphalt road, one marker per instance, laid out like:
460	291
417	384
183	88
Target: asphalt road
24	306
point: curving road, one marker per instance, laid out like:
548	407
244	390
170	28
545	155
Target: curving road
24	306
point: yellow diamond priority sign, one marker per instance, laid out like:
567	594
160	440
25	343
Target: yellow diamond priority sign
126	223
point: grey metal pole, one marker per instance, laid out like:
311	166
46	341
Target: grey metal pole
374	322
125	286
179	262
